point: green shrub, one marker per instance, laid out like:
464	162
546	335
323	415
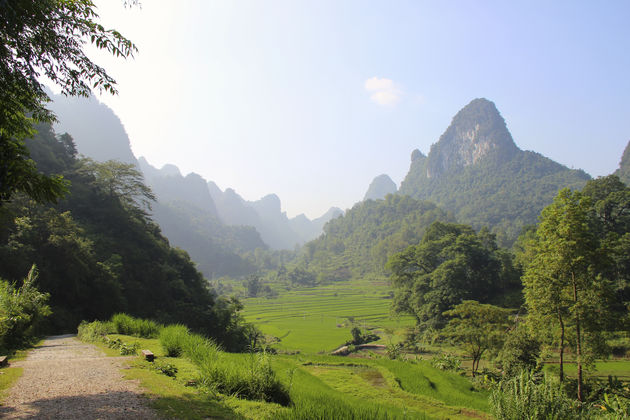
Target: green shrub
526	396
94	331
21	312
167	369
127	349
128	325
252	379
172	339
445	361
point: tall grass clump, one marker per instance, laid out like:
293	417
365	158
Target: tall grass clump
94	331
172	339
322	407
128	325
526	396
250	377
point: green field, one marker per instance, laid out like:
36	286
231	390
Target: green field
395	389
316	320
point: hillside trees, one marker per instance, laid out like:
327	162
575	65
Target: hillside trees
451	263
360	242
564	283
99	255
45	38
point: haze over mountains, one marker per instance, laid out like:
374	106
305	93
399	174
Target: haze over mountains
214	226
475	172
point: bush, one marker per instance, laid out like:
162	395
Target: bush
127	349
21	312
172	339
445	361
128	325
526	396
167	369
520	352
253	380
94	331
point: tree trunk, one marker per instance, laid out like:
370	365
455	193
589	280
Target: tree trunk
578	341
561	346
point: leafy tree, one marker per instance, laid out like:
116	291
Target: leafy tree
120	180
563	281
254	285
451	264
21	310
477	328
610	214
520	352
45	38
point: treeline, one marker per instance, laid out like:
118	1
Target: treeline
99	252
568	279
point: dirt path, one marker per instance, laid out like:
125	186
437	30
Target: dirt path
67	379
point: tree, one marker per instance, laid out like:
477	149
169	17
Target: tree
120	180
452	263
477	328
45	38
563	281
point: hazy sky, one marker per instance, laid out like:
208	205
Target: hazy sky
312	99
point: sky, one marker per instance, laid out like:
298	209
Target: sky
311	100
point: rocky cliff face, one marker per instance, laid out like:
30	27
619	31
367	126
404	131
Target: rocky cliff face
380	187
97	131
477	131
477	172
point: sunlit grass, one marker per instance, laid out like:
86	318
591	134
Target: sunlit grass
316	320
8	376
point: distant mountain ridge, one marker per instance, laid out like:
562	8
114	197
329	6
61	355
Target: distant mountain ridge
476	171
100	135
266	215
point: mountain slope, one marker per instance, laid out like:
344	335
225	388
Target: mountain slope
96	130
624	166
476	171
360	242
266	215
380	187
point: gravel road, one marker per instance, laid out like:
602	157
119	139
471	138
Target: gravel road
65	378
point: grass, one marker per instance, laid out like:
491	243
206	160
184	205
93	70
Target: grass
316	319
8	376
320	387
603	368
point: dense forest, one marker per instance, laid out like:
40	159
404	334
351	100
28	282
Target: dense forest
98	252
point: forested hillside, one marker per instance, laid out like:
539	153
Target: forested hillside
476	171
187	215
99	252
360	242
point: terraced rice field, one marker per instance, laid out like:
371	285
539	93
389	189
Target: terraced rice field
317	319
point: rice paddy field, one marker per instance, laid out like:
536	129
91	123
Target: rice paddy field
317	320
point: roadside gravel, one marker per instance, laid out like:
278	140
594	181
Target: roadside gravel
65	378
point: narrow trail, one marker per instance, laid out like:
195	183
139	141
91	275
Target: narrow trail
67	379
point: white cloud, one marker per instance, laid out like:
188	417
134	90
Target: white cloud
383	91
